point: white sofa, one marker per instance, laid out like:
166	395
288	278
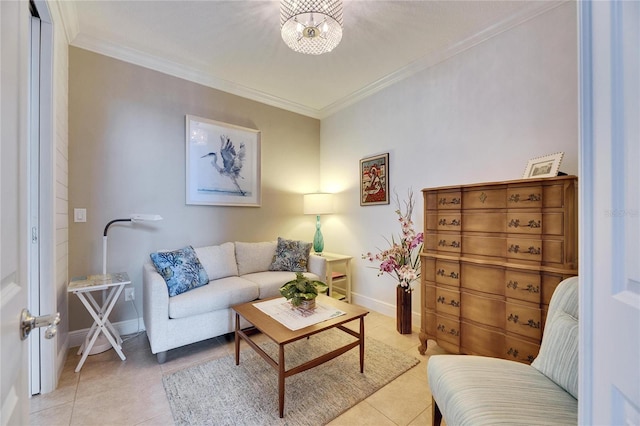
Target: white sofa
238	273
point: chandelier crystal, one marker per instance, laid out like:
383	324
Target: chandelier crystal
311	26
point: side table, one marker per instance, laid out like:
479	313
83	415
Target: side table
112	284
338	270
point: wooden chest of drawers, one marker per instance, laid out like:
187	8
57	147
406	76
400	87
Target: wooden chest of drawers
493	255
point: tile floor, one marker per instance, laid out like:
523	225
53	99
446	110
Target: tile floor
108	391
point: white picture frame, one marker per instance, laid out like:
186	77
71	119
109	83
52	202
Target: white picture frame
545	166
222	164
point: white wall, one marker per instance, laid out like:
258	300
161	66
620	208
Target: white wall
478	116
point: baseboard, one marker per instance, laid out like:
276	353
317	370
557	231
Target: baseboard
76	337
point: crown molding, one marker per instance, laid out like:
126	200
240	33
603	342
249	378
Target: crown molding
536	9
69	17
187	72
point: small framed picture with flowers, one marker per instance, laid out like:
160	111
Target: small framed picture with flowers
374	180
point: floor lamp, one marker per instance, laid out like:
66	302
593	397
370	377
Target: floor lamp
318	204
102	344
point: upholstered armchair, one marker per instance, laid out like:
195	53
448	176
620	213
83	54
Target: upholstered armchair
475	390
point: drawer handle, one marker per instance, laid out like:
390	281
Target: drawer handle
529	287
452	302
530	323
443	273
514	354
444	202
454	222
515	223
515	248
515	198
454	244
452	332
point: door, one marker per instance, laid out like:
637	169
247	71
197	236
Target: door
14	48
610	213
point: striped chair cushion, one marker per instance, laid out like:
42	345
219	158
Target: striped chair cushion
558	357
474	390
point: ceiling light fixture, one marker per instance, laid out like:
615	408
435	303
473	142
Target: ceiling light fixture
311	26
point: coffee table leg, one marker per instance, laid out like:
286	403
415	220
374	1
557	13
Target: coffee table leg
362	344
237	336
281	381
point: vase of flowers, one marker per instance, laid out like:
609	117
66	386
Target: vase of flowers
401	261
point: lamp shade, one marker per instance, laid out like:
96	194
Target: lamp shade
318	203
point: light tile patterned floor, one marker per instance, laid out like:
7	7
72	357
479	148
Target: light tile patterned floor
108	391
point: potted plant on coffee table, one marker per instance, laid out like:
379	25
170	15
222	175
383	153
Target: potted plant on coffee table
302	291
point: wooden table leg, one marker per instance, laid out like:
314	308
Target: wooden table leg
362	344
237	335
281	381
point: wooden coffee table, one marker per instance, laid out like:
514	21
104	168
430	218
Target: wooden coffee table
282	336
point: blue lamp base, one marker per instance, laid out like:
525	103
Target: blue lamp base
318	241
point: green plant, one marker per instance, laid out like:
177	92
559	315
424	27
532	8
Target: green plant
302	288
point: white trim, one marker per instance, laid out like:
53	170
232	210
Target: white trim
585	219
384	308
189	73
76	337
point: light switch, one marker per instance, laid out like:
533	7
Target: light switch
79	215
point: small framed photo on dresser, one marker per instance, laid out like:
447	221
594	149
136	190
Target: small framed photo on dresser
541	167
374	180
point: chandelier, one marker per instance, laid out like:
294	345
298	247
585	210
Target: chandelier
311	26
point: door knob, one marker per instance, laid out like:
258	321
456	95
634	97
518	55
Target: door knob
29	322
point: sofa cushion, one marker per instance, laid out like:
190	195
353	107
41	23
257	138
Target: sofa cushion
181	270
254	257
219	294
218	261
558	356
465	386
269	282
291	255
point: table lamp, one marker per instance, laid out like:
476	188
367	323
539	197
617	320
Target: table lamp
102	344
318	203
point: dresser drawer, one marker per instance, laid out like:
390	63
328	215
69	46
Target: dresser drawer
524	249
481	341
553	251
484	199
448	243
483	246
448	329
553	224
431	220
484	278
430	200
549	284
481	221
448	302
448	272
483	310
427	268
524	223
523	320
449	200
524	196
429	324
522	285
520	350
554	196
449	222
430	297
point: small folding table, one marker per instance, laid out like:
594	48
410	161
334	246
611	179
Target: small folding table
111	285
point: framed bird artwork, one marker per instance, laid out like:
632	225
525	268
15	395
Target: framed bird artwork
222	163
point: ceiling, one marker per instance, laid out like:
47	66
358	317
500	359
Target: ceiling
235	46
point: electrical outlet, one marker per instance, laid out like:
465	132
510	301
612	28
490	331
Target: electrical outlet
129	294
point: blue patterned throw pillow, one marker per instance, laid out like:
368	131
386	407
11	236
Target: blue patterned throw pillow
290	256
181	270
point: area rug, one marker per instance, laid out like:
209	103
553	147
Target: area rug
220	393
